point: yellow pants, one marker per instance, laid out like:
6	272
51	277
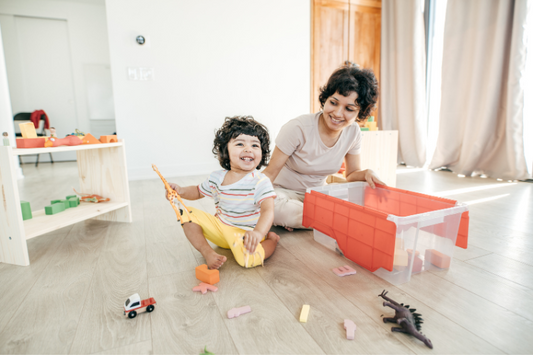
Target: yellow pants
225	236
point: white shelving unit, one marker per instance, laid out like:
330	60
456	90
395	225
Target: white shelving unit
102	170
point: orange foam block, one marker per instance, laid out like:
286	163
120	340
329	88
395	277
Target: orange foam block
30	142
206	275
109	139
437	258
90	139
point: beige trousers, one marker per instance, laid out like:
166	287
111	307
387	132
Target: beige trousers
288	208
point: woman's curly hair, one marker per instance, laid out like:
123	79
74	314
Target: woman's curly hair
351	78
234	127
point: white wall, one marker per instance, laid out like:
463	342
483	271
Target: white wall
88	40
211	59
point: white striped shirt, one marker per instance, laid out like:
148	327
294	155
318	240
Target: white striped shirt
238	204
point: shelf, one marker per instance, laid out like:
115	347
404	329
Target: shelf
64	148
42	223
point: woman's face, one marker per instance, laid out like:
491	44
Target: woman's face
340	111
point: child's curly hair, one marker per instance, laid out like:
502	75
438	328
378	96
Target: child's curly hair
234	127
351	78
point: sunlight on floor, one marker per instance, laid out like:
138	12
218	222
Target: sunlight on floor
471	189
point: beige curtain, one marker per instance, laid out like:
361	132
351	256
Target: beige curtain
403	77
481	116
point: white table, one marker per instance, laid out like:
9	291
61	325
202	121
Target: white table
102	171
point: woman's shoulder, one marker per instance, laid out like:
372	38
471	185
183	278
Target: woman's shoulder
303	121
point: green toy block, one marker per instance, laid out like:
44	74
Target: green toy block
54	208
26	210
73	201
64	202
71	196
365	129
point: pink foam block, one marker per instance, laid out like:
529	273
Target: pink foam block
350	329
203	287
344	271
235	312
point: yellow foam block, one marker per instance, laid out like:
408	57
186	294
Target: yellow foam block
400	257
28	130
305	313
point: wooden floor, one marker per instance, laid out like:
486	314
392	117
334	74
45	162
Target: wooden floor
69	300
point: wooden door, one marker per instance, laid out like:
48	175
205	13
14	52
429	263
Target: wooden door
365	36
343	30
330	43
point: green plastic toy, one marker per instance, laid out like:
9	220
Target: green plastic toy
26	210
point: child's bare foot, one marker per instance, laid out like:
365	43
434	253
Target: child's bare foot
213	260
272	236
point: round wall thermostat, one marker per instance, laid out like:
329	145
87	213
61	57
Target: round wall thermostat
140	40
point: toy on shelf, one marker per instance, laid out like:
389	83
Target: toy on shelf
68	140
305	313
57	206
204	287
89	139
409	321
371	124
91	197
77	133
350	327
28	130
344	271
208	276
134	305
30	142
171	195
235	312
5	139
26	210
53	132
109	139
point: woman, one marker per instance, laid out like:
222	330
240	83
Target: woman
313	146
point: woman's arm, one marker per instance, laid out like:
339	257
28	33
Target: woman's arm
354	172
277	161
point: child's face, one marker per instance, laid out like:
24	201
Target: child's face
245	153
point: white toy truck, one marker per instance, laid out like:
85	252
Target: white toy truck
134	305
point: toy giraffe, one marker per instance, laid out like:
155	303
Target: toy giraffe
171	195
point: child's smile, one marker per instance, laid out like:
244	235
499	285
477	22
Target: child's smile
244	153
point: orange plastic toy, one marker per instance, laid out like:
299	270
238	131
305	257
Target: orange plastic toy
208	276
68	140
171	195
89	139
91	198
109	139
30	142
365	234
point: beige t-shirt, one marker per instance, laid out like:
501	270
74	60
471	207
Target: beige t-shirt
310	160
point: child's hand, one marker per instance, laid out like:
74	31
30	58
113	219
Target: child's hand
251	239
174	187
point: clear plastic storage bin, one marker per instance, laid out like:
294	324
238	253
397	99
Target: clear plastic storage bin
392	232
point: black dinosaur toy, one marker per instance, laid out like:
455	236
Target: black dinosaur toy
409	321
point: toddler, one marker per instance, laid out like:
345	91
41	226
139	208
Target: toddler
243	196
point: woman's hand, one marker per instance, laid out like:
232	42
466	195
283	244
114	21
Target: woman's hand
251	239
372	179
